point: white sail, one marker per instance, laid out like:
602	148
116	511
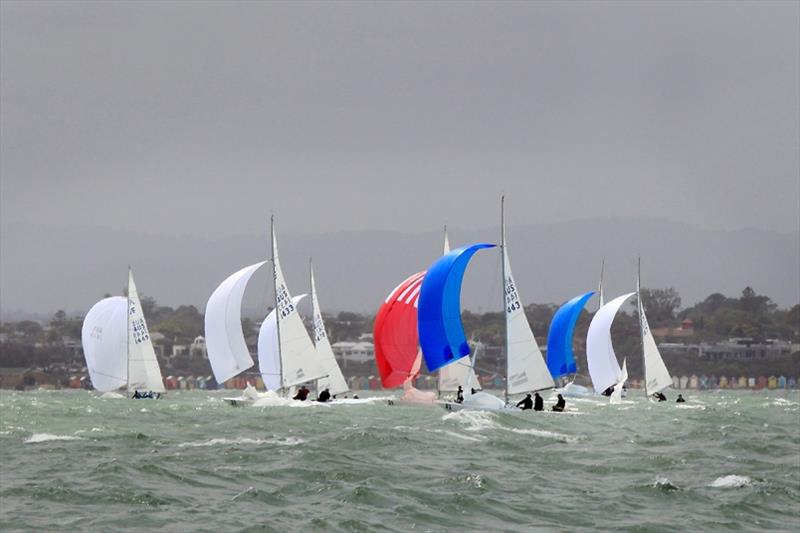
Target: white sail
656	375
526	369
602	361
225	343
104	344
601	298
299	361
143	371
269	363
616	395
334	379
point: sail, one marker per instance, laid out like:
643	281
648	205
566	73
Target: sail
656	375
104	343
527	370
616	395
459	374
269	363
395	333
560	359
225	343
334	379
601	300
143	370
441	333
603	366
299	360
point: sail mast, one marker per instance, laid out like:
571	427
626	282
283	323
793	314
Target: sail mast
128	331
600	285
503	269
275	290
640	311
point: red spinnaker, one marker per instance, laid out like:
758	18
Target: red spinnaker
395	332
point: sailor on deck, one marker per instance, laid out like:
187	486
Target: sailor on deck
525	403
324	396
538	402
302	394
560	405
459	395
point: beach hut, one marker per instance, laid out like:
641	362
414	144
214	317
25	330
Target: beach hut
723	383
694	382
772	383
713	382
676	382
742	382
761	382
782	382
684	382
791	383
703	382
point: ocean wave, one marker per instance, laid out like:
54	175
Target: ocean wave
471	438
561	437
288	441
663	483
47	437
731	482
473	420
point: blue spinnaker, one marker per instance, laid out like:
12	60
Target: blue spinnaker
441	335
560	359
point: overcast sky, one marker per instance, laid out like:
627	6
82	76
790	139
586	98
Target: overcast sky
204	118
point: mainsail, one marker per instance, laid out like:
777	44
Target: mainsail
299	360
441	334
397	352
333	379
225	343
616	394
526	370
103	336
560	359
269	363
603	366
143	370
656	375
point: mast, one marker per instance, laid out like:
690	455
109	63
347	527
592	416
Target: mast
275	290
640	311
600	285
128	331
503	270
445	251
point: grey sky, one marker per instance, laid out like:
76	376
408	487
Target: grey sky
203	118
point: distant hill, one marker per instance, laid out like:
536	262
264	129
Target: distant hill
45	268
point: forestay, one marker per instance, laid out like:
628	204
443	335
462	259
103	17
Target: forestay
527	370
603	366
333	379
103	336
225	343
299	359
441	334
560	358
269	362
143	370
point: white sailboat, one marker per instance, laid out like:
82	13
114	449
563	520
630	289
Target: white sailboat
297	360
333	379
602	361
526	370
656	375
117	346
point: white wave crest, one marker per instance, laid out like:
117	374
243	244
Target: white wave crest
473	420
546	434
288	441
46	437
476	438
731	482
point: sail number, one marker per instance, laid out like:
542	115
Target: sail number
319	329
285	305
512	298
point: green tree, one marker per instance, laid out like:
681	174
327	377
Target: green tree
660	305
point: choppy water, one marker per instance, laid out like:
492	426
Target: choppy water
70	460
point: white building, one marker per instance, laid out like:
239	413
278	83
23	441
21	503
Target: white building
354	352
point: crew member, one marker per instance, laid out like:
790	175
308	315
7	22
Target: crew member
324	396
302	394
459	395
525	403
680	399
560	405
538	402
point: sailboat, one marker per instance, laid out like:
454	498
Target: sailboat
560	358
602	361
442	336
117	346
656	375
462	373
297	360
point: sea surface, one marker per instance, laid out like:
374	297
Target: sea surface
72	460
